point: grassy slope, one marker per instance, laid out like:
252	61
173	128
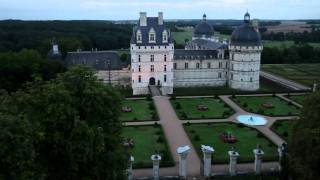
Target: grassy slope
247	141
140	110
145	144
305	74
189	106
254	104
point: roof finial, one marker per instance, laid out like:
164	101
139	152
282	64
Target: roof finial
204	17
247	17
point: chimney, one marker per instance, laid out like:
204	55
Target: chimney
160	18
143	19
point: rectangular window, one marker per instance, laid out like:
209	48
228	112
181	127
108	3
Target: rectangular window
139	68
139	79
151	58
139	58
174	65
165	68
251	79
209	65
152	68
231	76
198	65
152	37
165	78
186	65
165	58
219	75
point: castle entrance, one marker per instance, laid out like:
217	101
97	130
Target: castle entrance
152	81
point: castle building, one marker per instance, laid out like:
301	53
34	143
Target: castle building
205	61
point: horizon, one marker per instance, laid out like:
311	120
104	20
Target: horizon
111	10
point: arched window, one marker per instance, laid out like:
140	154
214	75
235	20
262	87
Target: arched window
152	36
165	58
139	58
139	68
139	36
165	78
139	79
165	36
165	68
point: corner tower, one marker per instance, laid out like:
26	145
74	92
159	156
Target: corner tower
245	49
151	50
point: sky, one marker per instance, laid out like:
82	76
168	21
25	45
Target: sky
172	9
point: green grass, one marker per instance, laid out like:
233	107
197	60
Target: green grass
283	129
140	110
255	104
297	98
146	143
248	139
180	37
305	74
188	106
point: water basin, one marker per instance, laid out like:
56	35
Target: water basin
252	120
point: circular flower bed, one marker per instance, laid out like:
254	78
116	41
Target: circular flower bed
126	109
267	105
202	107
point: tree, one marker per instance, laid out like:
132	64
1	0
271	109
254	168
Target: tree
75	127
304	149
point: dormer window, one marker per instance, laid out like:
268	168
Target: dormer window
139	37
165	36
152	36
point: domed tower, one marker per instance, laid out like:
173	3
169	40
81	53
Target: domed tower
245	49
203	30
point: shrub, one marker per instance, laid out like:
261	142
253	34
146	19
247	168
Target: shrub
154	116
188	123
160	139
135	119
233	96
260	111
245	105
289	103
192	131
273	94
173	97
158	133
250	109
288	95
151	106
259	135
225	113
240	125
184	115
149	98
178	105
285	134
155	124
196	138
216	96
225	105
289	113
203	116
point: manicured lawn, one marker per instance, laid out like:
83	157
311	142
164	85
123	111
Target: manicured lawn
180	37
248	139
147	140
140	110
187	108
297	98
305	74
259	105
283	129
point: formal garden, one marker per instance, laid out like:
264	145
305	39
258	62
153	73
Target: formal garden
283	129
138	110
201	108
223	136
143	141
266	105
297	98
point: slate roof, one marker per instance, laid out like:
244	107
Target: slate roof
209	44
181	54
152	22
203	29
96	59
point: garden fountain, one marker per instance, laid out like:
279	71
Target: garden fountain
252	120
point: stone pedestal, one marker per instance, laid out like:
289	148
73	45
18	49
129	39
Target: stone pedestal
207	152
233	162
314	89
156	158
280	152
258	153
129	170
183	163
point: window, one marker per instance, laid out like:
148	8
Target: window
186	65
139	79
139	36
165	68
232	56
198	65
174	65
139	69
232	66
151	58
152	68
219	75
220	65
251	79
165	78
165	58
164	36
209	65
152	35
139	58
231	76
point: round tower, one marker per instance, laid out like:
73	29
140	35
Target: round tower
245	49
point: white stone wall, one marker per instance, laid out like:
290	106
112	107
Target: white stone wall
215	75
145	68
244	67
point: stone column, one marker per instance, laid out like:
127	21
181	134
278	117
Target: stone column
233	162
183	152
129	170
156	158
207	152
280	152
258	153
314	89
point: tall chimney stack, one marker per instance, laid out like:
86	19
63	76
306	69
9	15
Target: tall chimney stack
143	19
160	18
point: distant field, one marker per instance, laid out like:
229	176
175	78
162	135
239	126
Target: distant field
290	26
305	74
180	37
282	44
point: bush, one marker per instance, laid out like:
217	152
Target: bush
160	139
151	106
135	119
240	125
259	135
285	134
158	133
203	116
225	113
225	105
250	109
192	131
178	105
173	97
216	96
184	115
245	105
196	138
155	124
188	123
289	113
149	98
233	96
290	103
260	111
273	94
154	116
